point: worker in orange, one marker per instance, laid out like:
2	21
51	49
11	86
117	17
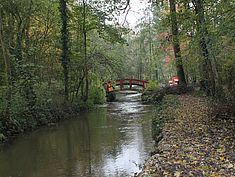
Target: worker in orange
109	87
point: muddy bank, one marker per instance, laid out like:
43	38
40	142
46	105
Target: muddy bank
191	142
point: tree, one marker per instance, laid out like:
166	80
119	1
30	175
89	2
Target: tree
209	70
65	49
84	30
176	44
7	68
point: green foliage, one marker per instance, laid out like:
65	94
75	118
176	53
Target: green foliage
152	85
97	91
97	95
2	137
84	105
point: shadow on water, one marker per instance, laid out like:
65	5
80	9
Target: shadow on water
113	140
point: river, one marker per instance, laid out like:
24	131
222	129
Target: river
113	140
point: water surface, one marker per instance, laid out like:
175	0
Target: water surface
112	140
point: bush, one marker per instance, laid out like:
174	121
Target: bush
85	105
97	95
152	85
2	137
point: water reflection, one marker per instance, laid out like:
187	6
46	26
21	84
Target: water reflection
109	141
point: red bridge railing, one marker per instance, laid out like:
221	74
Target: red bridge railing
131	82
122	82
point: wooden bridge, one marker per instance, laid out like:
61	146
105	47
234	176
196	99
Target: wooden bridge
129	82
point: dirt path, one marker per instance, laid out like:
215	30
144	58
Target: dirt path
194	144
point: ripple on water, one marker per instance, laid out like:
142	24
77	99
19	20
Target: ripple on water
96	143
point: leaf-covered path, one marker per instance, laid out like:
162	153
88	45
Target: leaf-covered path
194	144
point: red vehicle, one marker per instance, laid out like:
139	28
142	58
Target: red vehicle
174	81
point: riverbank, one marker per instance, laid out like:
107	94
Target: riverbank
191	142
30	121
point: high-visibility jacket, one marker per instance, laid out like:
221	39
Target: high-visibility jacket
109	87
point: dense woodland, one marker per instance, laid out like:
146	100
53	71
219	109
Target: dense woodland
55	55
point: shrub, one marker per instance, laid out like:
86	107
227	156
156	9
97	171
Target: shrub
97	95
152	85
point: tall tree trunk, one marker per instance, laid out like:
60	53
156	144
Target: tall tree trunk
85	52
7	67
65	49
150	49
176	45
208	69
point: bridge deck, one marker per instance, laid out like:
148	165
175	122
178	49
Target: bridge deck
131	82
